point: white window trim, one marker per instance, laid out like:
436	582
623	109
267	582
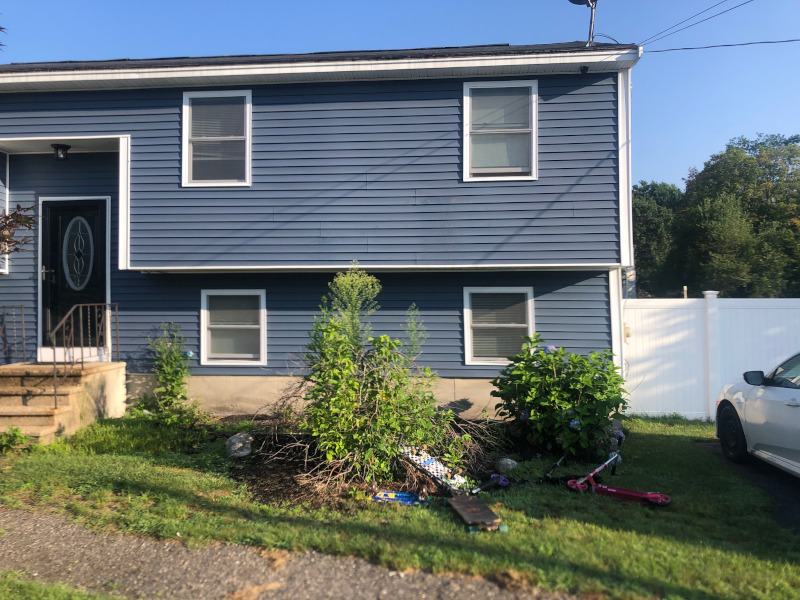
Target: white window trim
205	342
533	85
186	130
468	291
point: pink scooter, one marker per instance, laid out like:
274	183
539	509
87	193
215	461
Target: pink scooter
588	482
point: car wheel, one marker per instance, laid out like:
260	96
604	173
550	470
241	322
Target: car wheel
731	435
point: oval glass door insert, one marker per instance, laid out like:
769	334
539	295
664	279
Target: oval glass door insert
78	253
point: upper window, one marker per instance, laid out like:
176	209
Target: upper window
216	138
496	321
234	327
500	130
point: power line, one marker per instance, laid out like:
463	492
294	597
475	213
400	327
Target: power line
725	45
642	43
702	21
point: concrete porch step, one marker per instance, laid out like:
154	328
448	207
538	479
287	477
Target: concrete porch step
37	396
37	434
41	374
84	394
32	415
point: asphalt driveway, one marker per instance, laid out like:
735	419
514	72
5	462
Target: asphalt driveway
782	487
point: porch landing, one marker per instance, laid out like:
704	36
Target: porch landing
28	399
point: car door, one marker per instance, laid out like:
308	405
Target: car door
772	412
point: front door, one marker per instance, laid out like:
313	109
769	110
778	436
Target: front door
74	268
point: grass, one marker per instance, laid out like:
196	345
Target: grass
717	539
15	586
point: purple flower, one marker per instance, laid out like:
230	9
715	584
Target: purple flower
575	424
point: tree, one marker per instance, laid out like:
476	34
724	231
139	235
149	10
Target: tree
751	190
736	229
653	212
10	222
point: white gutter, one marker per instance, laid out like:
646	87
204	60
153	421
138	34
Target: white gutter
551	62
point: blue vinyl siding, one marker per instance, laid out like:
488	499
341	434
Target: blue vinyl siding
570	308
367	171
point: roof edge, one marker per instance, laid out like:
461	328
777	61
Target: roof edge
481	61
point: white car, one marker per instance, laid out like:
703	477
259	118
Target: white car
761	416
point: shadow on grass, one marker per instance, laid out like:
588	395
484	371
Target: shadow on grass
710	510
399	544
711	505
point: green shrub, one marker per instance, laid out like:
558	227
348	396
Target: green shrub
169	402
12	439
365	395
566	399
353	296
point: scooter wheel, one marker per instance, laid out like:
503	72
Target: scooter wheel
577	487
656	499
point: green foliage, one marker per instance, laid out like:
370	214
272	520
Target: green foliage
565	398
567	543
363	397
353	295
736	229
12	440
653	212
10	222
16	585
416	333
169	403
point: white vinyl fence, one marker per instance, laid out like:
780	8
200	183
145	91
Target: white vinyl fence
677	354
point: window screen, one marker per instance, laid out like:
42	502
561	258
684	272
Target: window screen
499	324
235	328
218	139
501	130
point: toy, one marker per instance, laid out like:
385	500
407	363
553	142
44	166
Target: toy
476	514
588	482
495	480
433	468
405	498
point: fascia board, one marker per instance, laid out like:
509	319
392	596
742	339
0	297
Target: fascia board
377	268
532	64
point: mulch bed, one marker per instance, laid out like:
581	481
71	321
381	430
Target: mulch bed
277	478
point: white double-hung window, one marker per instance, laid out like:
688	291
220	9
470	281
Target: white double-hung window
233	325
496	322
500	130
216	138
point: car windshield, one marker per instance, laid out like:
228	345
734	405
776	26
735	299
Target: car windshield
788	374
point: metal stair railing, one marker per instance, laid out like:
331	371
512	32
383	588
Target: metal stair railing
90	327
12	334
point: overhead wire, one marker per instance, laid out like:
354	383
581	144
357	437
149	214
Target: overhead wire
642	43
701	21
724	45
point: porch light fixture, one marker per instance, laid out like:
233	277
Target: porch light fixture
591	4
60	151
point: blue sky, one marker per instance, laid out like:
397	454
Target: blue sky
686	105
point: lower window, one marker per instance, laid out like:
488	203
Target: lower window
496	321
234	327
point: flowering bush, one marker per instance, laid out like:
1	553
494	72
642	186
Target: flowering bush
565	399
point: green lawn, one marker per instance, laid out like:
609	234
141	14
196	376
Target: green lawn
715	541
15	586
